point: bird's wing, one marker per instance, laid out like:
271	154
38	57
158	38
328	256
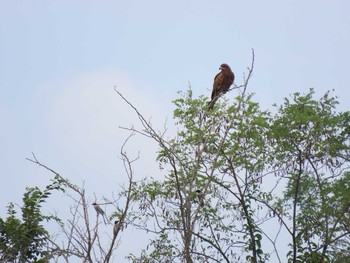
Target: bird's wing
217	85
227	80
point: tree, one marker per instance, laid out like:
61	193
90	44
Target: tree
25	239
221	153
310	145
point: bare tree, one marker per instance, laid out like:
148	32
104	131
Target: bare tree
80	236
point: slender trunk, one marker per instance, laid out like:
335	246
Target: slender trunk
249	220
297	186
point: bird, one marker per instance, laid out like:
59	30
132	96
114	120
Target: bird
222	82
200	196
99	211
116	227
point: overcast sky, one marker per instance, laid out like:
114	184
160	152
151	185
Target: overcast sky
59	62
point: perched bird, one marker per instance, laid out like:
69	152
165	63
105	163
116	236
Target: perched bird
99	211
116	227
222	82
200	196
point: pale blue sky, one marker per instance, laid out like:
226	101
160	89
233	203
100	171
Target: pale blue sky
59	61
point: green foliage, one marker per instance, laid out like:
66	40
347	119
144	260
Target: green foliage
25	239
342	256
309	128
311	147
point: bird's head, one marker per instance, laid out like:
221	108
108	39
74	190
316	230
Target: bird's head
224	66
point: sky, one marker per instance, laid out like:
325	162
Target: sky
60	61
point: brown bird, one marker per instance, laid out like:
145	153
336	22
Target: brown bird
222	82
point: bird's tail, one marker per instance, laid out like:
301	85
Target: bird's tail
212	103
105	219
